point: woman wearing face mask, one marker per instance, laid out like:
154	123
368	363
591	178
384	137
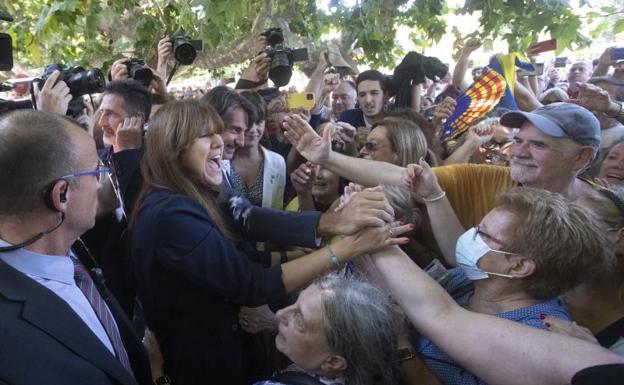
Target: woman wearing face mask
193	271
597	305
258	173
532	247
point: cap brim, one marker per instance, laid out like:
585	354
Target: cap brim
516	119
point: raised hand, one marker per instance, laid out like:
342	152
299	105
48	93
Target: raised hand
303	178
165	50
421	179
443	111
307	142
119	70
594	98
129	134
54	96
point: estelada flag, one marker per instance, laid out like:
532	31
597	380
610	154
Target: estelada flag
479	99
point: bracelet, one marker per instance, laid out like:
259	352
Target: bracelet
335	260
436	198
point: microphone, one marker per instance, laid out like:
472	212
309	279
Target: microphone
32	240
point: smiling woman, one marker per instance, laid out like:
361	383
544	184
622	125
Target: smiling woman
612	167
193	272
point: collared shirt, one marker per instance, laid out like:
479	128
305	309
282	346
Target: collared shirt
461	289
56	273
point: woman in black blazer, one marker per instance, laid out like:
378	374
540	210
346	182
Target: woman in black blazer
192	274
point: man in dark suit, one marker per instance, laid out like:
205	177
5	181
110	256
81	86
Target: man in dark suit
59	323
125	106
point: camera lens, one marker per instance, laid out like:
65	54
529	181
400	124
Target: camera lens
83	82
184	52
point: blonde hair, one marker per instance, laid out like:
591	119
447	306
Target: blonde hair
172	132
406	139
611	217
564	240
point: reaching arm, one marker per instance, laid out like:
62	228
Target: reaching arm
317	149
525	98
444	223
497	350
459	72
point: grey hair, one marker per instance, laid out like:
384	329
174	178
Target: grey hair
35	149
360	326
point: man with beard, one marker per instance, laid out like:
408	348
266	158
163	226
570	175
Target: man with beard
552	145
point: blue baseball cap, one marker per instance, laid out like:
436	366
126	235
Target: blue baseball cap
560	120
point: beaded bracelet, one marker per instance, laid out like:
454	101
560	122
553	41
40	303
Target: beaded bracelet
335	260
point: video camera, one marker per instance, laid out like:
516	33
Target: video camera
80	82
282	57
185	49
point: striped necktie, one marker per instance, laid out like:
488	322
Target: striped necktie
86	285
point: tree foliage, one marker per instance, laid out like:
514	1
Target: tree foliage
96	32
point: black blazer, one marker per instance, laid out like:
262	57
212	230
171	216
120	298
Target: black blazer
192	282
108	240
42	340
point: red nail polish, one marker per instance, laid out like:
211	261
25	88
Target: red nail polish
401	223
411	226
404	240
542	316
547	324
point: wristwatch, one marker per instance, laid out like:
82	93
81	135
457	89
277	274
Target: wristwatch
405	354
163	380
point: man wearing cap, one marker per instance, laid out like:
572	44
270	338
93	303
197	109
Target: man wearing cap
552	145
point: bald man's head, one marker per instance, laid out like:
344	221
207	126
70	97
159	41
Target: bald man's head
36	148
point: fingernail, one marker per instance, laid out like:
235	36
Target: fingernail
404	240
401	223
411	226
542	316
547	324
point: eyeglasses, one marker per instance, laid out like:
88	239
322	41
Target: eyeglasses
371	146
99	170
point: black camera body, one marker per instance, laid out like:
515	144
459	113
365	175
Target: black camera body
185	49
282	57
138	71
80	82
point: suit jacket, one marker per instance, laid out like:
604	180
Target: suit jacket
354	117
192	282
42	340
108	239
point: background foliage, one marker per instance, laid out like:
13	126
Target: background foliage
87	31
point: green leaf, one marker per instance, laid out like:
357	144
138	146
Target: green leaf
619	26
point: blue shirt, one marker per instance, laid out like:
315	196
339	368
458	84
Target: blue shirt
461	289
56	272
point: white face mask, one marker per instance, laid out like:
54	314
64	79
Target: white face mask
469	250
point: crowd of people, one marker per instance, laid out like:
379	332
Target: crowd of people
217	235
